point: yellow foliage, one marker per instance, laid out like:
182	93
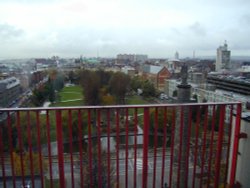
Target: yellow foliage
24	163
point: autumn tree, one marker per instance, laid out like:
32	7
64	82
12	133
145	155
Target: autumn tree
161	120
91	176
105	97
73	121
90	82
23	163
119	85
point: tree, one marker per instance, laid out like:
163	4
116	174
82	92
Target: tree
119	85
28	126
50	91
75	124
38	97
165	120
108	100
136	83
25	163
59	81
148	89
92	175
91	84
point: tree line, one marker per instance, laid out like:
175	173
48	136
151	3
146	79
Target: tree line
109	88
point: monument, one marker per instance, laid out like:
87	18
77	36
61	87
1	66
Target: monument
180	155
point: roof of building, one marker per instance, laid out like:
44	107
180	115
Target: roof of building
152	69
8	83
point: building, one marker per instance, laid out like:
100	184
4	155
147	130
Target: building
230	83
222	58
176	55
141	57
10	90
129	71
156	74
125	58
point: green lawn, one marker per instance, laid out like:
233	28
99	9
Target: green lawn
136	100
69	103
72	89
65	96
70	96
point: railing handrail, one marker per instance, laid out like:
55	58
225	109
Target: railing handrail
118	106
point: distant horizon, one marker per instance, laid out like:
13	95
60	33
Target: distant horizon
236	57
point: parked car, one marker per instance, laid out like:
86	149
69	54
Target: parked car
163	96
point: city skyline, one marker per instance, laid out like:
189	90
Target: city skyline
109	27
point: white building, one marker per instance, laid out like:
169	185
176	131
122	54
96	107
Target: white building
129	70
222	58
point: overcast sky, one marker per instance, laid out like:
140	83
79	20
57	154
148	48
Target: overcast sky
158	28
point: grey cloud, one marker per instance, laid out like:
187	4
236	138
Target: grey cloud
8	31
31	1
245	19
198	29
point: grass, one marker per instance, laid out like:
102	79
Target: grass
65	96
69	103
70	93
136	100
56	183
72	89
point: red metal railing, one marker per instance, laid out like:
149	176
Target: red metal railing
168	145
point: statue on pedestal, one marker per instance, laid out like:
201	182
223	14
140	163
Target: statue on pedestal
184	74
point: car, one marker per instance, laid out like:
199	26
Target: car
163	96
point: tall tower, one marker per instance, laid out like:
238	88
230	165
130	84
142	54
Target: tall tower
223	58
176	55
180	155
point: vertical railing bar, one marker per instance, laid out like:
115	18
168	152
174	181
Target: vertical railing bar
188	141
172	146
180	147
108	134
80	137
20	146
229	141
11	149
155	145
204	144
99	148
135	146
90	148
196	144
39	147
145	148
117	147
211	146
71	148
2	158
219	146
60	148
30	149
235	145
164	146
49	148
126	149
